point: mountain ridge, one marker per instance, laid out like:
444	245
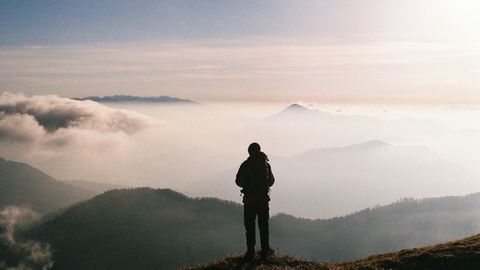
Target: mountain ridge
313	177
131	224
125	229
24	185
137	99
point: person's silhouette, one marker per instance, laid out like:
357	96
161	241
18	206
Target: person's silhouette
255	177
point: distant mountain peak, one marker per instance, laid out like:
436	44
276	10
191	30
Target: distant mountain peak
137	99
22	184
296	107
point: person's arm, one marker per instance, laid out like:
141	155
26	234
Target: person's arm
240	178
271	178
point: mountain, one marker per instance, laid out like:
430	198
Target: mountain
142	229
295	108
24	185
462	254
137	99
145	228
299	128
303	118
405	224
341	180
293	111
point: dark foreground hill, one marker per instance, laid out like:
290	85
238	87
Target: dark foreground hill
462	255
401	225
276	262
24	185
152	229
142	229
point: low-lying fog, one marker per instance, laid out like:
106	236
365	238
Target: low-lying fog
328	160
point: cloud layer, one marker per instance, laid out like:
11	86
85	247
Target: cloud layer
51	122
377	69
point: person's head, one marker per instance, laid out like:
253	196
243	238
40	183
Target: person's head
254	148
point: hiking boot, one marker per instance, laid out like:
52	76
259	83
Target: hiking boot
248	256
266	253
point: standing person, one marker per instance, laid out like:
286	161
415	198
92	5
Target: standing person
255	178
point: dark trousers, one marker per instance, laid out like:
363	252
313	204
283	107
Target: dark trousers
250	212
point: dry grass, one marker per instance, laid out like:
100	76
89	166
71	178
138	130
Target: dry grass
462	255
274	262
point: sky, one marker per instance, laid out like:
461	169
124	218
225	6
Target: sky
369	51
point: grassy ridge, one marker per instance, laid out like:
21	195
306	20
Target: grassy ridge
276	262
463	254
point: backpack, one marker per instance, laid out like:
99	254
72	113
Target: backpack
256	177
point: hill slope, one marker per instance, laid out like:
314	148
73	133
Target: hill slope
276	262
24	185
142	229
405	224
463	254
145	228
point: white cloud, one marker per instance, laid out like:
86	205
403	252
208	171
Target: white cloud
20	128
50	124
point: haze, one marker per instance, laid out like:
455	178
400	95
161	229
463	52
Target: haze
389	93
344	157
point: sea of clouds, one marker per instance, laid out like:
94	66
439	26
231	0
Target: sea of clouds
46	125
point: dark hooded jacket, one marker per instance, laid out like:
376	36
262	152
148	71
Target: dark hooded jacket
255	177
